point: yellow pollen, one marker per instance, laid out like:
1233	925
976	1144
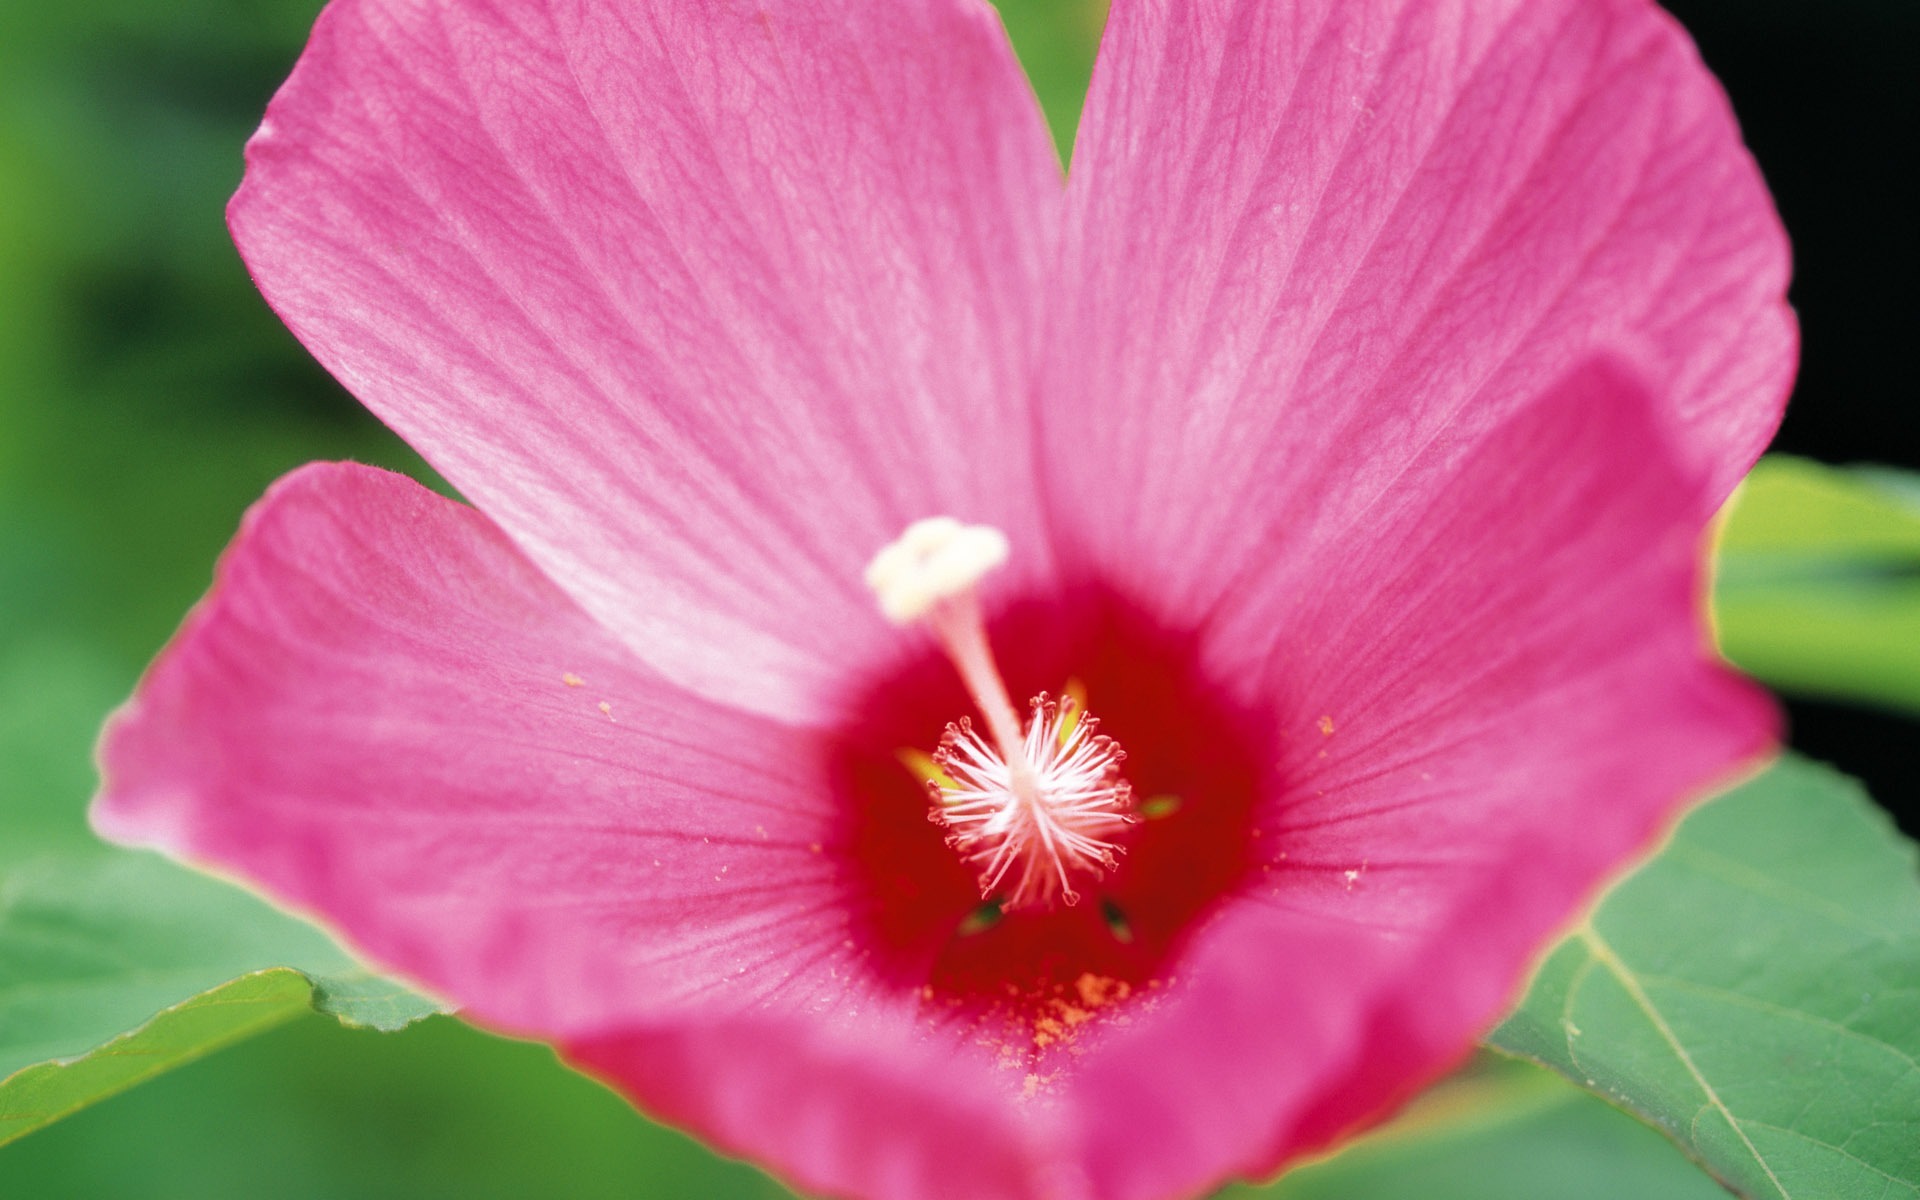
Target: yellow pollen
1074	693
921	766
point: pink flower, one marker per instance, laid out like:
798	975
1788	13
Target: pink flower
1351	417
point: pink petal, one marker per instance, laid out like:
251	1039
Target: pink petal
387	716
384	714
701	302
854	1102
375	716
1306	238
1485	699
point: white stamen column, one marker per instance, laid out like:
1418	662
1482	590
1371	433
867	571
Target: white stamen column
1040	807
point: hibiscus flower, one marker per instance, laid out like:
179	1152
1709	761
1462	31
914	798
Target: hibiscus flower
1340	435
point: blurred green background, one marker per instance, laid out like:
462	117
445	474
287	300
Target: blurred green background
147	396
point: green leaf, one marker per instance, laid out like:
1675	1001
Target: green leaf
41	1094
1818	585
1754	991
440	1110
95	944
1500	1131
356	996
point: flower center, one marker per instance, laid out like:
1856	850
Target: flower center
1031	809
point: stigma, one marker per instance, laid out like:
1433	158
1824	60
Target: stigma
1036	807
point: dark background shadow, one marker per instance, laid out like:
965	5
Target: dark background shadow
1828	96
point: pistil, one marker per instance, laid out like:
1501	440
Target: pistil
1038	807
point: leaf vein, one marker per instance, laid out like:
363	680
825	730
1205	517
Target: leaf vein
1604	953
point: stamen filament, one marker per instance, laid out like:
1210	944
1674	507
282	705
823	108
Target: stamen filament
957	622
